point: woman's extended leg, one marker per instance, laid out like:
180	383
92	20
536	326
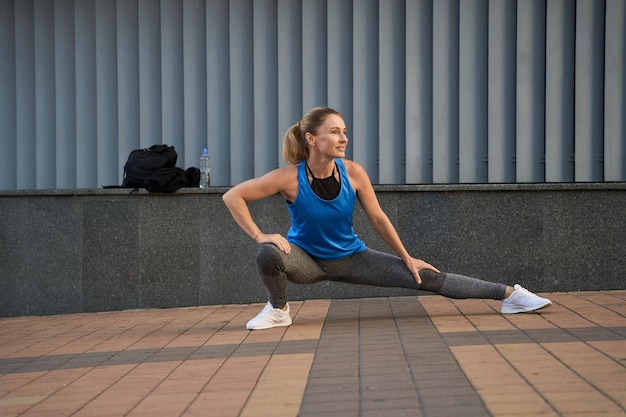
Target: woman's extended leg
380	269
371	267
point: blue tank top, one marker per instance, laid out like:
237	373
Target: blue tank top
323	228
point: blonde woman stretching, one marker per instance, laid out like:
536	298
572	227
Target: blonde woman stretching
321	188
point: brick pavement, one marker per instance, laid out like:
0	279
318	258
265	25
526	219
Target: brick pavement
405	356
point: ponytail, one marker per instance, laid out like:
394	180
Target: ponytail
295	147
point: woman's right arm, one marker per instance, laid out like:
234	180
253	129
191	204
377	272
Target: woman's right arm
237	198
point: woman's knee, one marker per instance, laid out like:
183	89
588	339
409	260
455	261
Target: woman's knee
431	280
269	259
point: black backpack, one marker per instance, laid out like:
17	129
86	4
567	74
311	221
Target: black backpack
154	169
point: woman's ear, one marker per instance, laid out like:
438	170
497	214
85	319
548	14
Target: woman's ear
310	139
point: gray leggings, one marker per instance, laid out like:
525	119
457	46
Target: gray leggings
369	267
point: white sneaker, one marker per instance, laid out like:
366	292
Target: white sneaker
270	317
521	301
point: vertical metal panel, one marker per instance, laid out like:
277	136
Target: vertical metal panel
589	103
25	93
265	132
473	91
589	90
340	61
560	90
289	68
85	148
392	129
365	120
446	91
217	91
615	92
172	85
241	90
314	58
127	77
66	83
8	133
194	84
109	161
419	91
501	91
530	90
45	142
84	83
419	128
150	131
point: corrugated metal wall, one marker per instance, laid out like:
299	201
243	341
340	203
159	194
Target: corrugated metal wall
433	91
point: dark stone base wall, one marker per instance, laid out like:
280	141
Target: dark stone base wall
97	250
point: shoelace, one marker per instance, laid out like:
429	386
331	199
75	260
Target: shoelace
523	291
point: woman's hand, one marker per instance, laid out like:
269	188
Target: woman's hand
275	239
415	265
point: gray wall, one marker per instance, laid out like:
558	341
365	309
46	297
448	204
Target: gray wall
444	91
97	250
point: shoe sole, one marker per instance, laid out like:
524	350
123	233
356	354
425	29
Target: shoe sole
271	326
513	310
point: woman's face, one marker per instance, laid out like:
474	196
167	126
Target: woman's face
331	138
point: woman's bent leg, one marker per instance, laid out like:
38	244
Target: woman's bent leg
276	268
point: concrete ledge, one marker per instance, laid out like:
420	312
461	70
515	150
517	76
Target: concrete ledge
65	251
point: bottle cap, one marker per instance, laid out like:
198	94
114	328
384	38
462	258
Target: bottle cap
204	152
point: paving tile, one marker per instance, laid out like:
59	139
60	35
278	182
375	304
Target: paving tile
582	402
519	405
394	405
392	412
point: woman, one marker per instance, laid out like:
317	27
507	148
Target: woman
320	188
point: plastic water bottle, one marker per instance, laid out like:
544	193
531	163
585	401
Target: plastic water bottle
205	169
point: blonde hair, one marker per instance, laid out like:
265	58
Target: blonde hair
295	146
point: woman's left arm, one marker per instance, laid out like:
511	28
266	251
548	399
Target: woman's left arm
380	222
